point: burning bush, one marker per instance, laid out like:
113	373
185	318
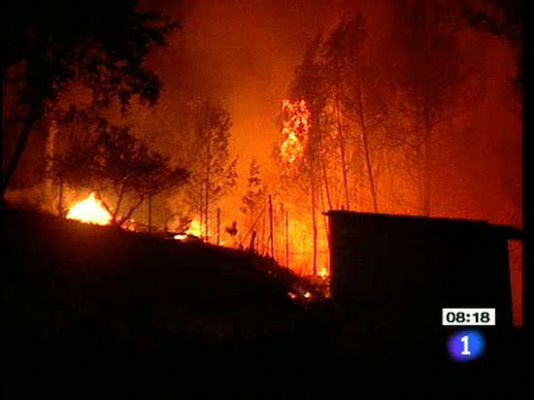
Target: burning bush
114	161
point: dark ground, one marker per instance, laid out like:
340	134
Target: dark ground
95	312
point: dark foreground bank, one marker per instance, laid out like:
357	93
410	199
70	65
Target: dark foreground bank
96	312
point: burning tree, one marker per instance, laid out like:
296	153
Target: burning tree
310	84
133	169
379	100
359	95
353	91
300	155
76	160
115	160
296	125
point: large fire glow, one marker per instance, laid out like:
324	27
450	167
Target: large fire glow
90	211
194	228
295	132
293	247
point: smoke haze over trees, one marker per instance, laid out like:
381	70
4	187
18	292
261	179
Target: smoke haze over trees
413	110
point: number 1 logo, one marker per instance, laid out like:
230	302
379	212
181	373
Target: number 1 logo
465	341
466	346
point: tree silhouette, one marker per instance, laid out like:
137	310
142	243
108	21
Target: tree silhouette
115	160
503	18
100	44
213	172
361	90
428	77
256	192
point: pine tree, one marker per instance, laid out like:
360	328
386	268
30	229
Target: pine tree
213	172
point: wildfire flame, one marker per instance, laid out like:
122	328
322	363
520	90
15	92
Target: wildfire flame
194	228
295	130
291	149
90	211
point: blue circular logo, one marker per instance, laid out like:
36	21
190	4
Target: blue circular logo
466	346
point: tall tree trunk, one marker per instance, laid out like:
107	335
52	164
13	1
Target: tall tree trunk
218	226
33	116
207	194
427	173
287	237
263	234
251	246
149	206
119	201
323	166
201	209
427	160
131	211
271	226
368	164
60	198
314	223
326	184
50	151
104	203
2	126
342	151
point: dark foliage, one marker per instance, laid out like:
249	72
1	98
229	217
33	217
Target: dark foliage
100	44
116	160
503	18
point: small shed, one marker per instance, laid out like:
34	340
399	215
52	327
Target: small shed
417	266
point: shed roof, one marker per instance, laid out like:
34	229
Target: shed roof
405	223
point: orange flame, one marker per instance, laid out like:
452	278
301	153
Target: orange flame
194	228
295	130
90	211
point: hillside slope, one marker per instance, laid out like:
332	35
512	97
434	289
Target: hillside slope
80	295
101	313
